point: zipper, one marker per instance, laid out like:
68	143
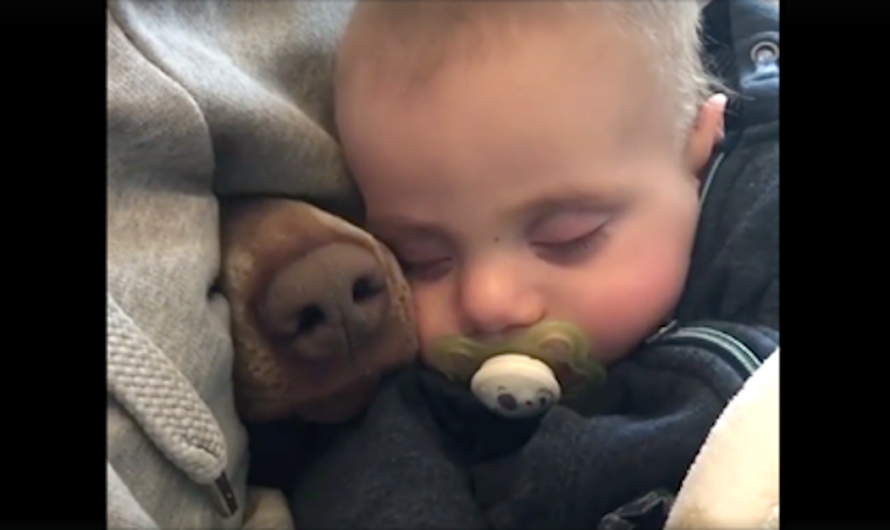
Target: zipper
710	178
729	348
662	331
706	187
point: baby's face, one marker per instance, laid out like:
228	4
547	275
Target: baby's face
539	183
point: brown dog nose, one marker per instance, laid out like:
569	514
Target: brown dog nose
328	302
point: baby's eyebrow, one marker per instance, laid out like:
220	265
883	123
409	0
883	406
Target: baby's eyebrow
547	205
397	226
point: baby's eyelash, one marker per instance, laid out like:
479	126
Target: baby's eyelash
578	244
573	247
425	270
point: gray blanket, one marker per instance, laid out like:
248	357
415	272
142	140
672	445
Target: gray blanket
206	99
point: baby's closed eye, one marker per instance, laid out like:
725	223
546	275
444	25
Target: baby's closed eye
422	260
567	235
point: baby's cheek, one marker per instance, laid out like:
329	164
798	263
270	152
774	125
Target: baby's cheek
627	308
434	318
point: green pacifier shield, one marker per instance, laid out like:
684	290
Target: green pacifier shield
553	342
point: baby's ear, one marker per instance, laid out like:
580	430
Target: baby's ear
707	131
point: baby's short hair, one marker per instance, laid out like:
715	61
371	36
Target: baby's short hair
424	34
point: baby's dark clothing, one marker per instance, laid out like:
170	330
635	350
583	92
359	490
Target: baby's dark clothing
413	463
421	458
427	455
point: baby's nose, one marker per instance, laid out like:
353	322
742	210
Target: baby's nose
328	302
497	299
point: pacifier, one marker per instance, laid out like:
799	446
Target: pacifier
516	385
516	378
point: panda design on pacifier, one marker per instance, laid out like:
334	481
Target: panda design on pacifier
516	379
516	386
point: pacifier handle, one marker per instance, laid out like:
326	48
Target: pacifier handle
516	385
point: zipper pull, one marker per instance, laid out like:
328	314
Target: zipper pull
662	331
224	496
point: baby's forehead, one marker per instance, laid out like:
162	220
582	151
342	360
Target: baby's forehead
412	41
406	44
535	90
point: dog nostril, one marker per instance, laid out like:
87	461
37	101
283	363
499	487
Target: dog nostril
309	318
507	401
366	287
